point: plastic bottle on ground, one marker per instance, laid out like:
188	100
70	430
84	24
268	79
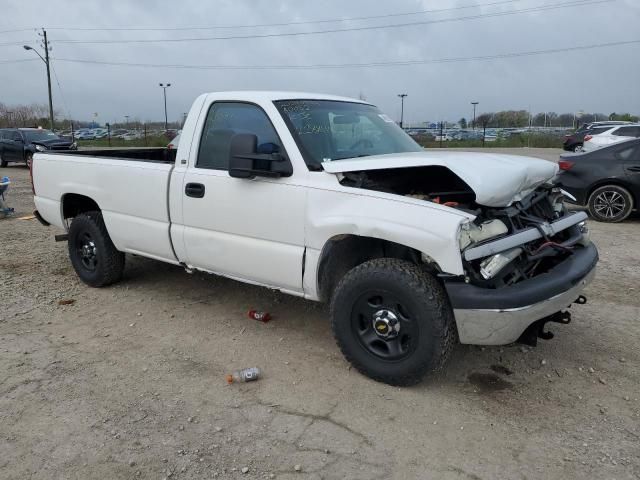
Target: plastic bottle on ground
244	375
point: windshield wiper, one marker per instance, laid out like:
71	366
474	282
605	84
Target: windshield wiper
354	156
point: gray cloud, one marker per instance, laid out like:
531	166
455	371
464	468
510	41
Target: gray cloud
602	80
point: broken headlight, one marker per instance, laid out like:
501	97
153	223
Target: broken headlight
471	233
491	266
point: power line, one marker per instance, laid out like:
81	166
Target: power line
286	24
64	101
359	65
19	61
572	3
15	43
18	30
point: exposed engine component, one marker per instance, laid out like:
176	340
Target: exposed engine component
537	210
472	233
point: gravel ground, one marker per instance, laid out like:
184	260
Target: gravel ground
128	381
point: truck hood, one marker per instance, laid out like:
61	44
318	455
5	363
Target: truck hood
497	179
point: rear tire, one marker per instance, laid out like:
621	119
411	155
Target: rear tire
610	203
94	257
392	321
577	148
3	163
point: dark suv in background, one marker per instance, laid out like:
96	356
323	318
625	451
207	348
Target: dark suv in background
19	144
574	142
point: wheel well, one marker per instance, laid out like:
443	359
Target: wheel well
74	204
604	183
344	252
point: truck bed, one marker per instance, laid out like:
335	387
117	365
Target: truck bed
143	154
129	186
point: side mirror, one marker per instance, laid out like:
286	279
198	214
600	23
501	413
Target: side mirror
245	162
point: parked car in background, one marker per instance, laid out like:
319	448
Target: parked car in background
119	133
19	144
616	134
574	141
606	180
84	135
445	137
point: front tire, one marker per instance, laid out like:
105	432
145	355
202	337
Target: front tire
392	321
94	257
28	159
3	162
578	148
610	203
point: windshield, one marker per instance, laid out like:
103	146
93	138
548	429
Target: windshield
328	130
39	135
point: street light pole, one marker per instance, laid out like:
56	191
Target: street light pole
46	62
402	95
475	104
164	89
126	118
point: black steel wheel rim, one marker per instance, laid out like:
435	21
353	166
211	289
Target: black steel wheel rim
87	251
384	325
609	204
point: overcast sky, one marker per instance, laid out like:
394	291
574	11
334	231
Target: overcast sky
598	79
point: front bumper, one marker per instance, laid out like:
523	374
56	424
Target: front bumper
498	317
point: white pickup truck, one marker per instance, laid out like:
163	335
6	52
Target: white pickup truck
327	198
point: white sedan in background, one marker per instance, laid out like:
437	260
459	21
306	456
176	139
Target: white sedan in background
616	134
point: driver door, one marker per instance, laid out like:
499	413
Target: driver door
250	229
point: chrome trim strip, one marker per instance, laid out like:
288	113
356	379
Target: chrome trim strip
526	236
500	327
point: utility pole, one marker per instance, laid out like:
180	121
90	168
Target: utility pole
164	89
46	62
46	56
126	118
475	104
402	95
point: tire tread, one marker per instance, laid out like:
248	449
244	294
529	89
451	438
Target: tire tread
434	299
112	261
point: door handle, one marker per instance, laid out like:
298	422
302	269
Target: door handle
195	190
633	169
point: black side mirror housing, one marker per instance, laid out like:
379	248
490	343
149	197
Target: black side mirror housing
245	162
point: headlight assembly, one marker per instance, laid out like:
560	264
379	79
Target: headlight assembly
41	148
491	266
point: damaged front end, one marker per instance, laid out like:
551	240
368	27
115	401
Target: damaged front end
504	246
525	257
524	265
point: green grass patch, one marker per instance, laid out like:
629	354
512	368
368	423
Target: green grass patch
514	141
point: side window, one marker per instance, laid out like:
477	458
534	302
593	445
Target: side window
226	119
16	137
2	134
624	132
